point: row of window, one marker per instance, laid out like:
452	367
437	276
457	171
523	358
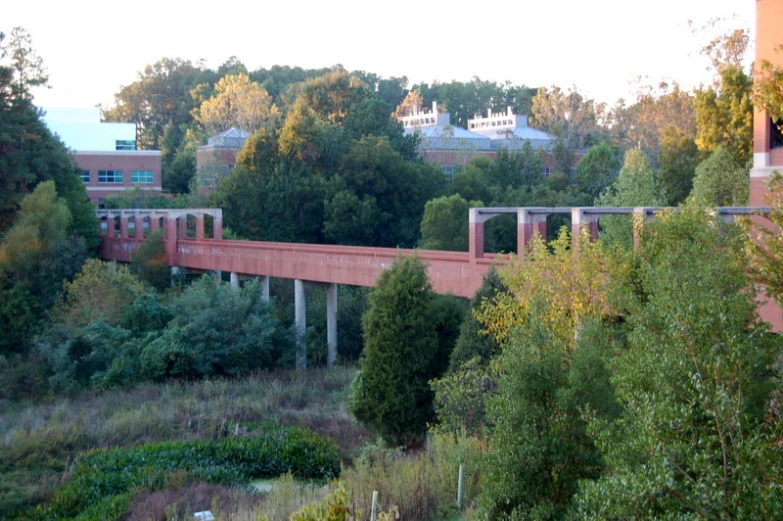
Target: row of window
116	176
485	124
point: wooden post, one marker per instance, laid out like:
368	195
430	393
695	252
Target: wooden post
461	487
374	512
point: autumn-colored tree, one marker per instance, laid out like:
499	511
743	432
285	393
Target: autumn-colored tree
238	102
103	290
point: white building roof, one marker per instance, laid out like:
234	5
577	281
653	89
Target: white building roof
509	130
81	130
437	132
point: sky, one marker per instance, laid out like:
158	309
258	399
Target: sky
92	48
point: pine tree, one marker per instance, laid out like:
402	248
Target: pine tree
392	395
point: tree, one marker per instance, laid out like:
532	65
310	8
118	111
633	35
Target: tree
238	102
413	102
724	114
29	153
765	245
678	159
161	95
555	348
149	262
36	255
657	110
388	195
597	169
391	394
445	224
721	181
636	185
102	290
568	116
698	434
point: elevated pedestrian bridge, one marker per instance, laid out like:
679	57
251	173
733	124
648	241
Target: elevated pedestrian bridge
193	239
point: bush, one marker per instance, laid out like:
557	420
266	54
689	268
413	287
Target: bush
215	331
101	479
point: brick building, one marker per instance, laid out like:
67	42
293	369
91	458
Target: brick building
453	147
105	152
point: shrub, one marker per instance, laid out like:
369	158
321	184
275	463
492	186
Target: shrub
215	331
102	477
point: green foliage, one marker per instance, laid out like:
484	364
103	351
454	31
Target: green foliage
102	290
721	181
149	262
101	479
597	169
473	340
678	159
36	256
460	397
766	249
445	223
636	185
447	314
215	330
540	447
724	114
769	90
391	394
692	440
378	198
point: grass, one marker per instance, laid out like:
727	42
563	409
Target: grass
39	442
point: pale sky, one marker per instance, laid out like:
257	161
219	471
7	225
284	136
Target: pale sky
91	48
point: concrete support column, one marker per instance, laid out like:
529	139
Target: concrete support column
265	289
124	226
331	325
199	227
475	235
217	227
154	223
579	220
528	225
176	272
235	281
300	319
138	227
182	227
170	233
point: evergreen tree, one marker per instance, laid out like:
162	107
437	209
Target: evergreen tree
392	395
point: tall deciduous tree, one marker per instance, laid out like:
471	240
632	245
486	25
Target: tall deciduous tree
36	255
699	429
597	169
238	102
445	223
721	181
636	185
724	114
678	161
391	394
567	115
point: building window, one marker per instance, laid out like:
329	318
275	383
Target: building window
125	144
141	176
545	170
110	176
85	176
448	171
